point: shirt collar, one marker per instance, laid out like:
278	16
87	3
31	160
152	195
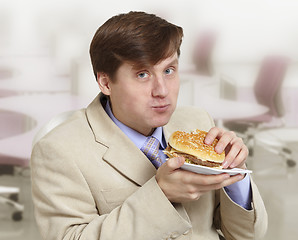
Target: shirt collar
137	138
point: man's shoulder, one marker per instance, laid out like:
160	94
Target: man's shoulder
71	124
188	118
64	125
190	111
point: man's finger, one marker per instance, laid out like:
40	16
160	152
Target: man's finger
240	158
173	163
228	181
212	135
224	141
207	180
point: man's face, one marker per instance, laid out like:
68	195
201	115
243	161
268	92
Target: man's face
144	99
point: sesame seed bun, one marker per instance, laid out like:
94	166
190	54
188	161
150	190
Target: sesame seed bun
193	144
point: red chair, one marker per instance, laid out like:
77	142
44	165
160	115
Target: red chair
267	91
12	124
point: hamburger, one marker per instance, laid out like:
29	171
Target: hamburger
191	146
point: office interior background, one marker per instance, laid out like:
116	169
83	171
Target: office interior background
238	61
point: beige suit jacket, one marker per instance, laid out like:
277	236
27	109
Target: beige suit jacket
89	181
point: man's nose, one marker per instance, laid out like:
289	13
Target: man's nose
160	88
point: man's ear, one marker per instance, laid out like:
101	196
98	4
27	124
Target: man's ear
103	81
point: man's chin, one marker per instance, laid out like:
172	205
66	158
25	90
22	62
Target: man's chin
160	122
160	119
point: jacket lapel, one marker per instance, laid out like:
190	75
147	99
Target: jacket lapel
121	152
129	160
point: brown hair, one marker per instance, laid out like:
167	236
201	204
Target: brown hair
136	37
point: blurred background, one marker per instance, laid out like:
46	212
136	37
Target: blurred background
238	61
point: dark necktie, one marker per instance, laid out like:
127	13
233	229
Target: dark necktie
151	150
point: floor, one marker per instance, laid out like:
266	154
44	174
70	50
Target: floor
25	229
278	187
277	182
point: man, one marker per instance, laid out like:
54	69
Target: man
90	178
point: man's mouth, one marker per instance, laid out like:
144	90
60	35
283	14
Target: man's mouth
161	108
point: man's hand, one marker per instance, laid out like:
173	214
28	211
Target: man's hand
236	151
182	186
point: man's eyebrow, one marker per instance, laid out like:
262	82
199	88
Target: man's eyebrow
138	67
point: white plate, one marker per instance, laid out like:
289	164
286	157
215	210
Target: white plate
209	171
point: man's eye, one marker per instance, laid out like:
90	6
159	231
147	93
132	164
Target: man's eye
169	71
143	75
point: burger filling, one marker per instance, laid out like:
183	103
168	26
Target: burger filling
190	158
194	160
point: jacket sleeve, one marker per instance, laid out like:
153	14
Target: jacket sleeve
235	222
231	219
72	213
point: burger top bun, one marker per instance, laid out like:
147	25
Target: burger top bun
193	144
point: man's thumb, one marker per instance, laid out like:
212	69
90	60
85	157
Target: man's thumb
175	163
